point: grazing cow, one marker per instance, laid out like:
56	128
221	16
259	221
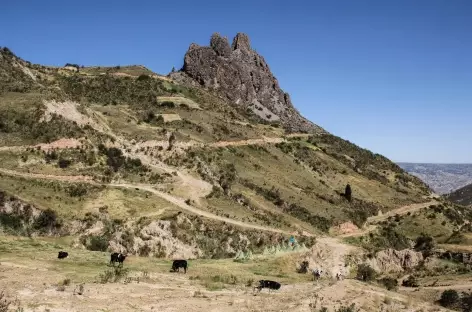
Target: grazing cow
177	264
62	255
267	284
117	257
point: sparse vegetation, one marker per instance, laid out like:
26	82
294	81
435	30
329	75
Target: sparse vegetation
4	302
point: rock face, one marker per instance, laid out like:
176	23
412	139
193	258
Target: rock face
242	76
391	260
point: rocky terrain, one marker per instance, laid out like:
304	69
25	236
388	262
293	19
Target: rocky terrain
442	178
243	77
213	164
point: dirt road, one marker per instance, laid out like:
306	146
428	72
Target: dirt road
369	226
181	203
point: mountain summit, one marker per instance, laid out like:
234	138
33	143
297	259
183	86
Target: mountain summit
241	75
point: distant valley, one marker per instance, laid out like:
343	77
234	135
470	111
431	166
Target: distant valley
442	178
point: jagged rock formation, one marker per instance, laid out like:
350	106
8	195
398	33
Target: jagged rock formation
241	75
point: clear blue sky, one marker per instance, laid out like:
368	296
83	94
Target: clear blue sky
392	76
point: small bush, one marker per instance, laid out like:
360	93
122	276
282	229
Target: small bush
113	275
168	104
61	288
143	77
64	163
389	283
77	190
425	244
47	220
97	243
351	308
449	298
365	273
411	281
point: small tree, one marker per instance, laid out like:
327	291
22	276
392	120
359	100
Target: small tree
449	298
348	192
424	244
365	273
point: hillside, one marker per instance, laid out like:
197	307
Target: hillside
462	196
190	165
442	178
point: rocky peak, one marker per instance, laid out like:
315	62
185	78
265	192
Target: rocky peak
220	45
241	42
242	76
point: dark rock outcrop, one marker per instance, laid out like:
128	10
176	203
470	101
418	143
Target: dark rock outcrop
242	76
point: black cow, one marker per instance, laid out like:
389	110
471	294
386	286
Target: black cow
177	264
62	255
267	284
117	257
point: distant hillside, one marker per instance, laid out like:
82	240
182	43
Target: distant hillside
442	178
462	196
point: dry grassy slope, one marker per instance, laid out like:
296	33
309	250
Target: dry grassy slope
289	182
462	196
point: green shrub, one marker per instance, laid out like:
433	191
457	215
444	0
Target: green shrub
10	221
425	244
389	283
365	273
97	243
47	220
449	298
411	281
143	77
64	163
77	190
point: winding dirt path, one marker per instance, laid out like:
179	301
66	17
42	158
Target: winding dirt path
370	226
71	178
144	187
181	203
